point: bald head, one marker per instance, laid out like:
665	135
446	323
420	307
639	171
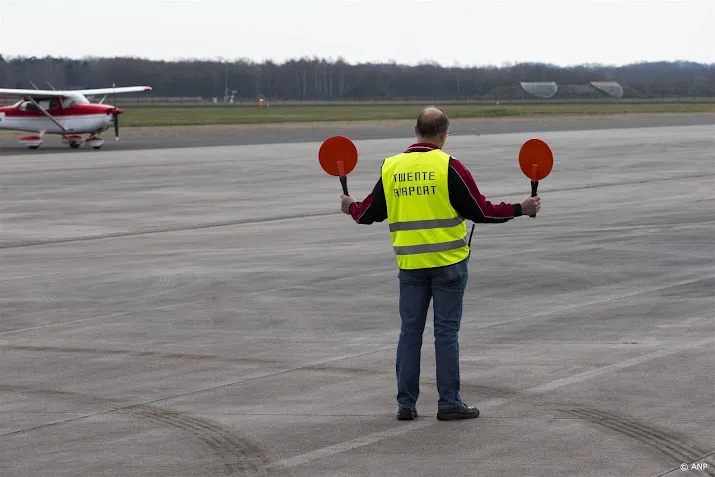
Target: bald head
432	125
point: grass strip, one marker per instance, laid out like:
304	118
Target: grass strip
150	116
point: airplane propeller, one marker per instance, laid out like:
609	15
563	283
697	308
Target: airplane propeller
116	114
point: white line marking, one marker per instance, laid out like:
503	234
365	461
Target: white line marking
349	445
489	404
595	373
79	320
22	277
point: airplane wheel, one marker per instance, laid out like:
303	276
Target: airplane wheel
95	142
75	145
32	142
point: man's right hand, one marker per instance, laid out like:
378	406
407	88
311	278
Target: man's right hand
531	205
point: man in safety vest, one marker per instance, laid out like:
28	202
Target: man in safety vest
426	195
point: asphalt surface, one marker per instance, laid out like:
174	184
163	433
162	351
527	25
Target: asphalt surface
210	312
181	138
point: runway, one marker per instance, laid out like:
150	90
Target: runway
208	311
132	139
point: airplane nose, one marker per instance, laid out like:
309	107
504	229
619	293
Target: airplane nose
117	111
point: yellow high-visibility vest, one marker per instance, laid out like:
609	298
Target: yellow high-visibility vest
426	230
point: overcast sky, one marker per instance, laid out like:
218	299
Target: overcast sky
466	32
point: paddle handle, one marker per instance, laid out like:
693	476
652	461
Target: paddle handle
344	183
534	184
343	177
534	187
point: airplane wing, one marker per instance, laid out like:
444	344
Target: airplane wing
33	93
123	89
39	94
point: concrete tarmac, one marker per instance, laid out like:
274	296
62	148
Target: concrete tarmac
132	139
210	312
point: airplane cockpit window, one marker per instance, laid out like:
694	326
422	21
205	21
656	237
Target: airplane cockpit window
28	106
75	99
46	104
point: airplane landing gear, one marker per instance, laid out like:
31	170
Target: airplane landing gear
32	142
74	140
95	142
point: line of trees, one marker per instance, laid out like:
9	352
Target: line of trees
320	79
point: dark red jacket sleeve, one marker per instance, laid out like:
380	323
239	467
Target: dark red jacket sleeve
470	203
372	209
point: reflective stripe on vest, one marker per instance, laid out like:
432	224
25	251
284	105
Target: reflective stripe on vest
426	224
426	231
430	247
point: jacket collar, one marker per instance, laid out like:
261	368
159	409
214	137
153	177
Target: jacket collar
421	147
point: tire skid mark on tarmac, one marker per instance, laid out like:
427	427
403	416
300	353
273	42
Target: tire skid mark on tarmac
664	442
259	220
238	456
674	446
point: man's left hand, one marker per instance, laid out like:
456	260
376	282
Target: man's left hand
345	201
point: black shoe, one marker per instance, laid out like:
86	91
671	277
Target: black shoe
406	413
461	411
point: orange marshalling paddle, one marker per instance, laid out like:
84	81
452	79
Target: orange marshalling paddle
536	161
338	156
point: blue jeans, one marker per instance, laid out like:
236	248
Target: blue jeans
417	287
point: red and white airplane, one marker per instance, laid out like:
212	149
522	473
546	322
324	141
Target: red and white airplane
67	113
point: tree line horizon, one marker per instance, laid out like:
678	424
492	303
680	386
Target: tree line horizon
315	79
